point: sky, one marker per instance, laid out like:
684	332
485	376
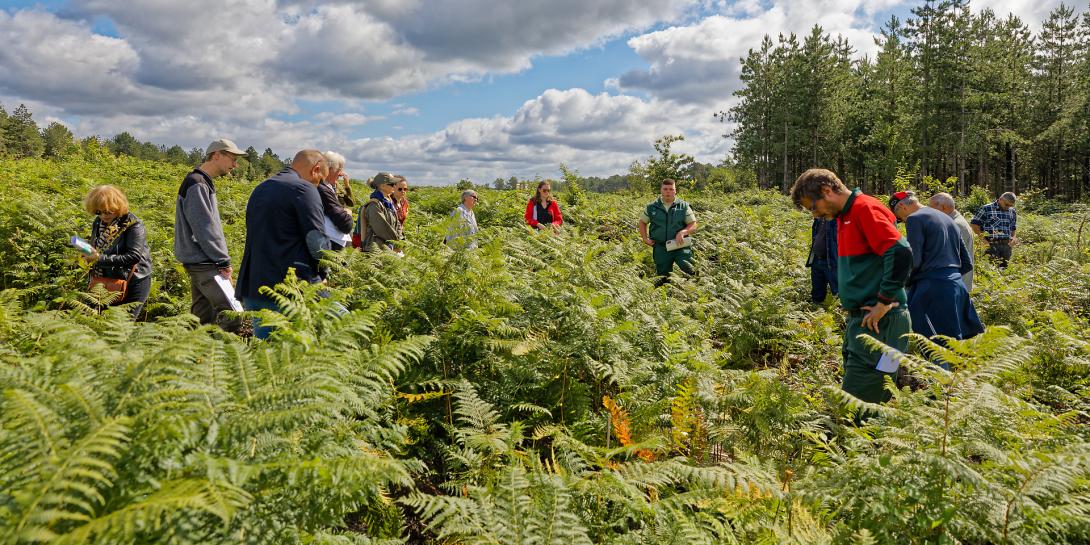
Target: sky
437	90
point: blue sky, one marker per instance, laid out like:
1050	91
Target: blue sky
436	90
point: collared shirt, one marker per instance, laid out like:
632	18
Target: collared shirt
465	226
690	217
967	239
997	224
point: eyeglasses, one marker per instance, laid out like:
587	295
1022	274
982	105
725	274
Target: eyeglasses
546	190
402	189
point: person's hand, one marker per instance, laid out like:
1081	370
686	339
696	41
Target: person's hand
648	242
680	238
90	258
875	314
539	226
1014	241
226	272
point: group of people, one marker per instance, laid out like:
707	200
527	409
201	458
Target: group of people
891	284
290	219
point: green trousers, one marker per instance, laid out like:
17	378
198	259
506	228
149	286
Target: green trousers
665	259
861	379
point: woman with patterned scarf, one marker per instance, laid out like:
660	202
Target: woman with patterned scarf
120	244
378	216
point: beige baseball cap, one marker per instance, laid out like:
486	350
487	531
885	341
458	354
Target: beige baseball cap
224	144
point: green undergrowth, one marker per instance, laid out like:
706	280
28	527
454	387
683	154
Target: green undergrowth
539	389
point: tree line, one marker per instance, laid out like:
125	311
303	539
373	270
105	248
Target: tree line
962	98
20	137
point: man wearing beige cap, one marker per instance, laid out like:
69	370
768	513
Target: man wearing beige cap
199	243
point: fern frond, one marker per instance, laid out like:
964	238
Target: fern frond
70	489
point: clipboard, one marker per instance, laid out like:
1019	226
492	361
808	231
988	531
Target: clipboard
228	292
672	244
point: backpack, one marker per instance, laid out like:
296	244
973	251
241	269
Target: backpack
361	227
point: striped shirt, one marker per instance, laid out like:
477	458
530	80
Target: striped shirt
997	224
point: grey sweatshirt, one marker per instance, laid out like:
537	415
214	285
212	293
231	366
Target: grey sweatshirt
198	232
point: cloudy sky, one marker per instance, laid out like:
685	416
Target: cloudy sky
436	89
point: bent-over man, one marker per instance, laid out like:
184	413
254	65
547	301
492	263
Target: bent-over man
944	202
873	262
997	222
937	299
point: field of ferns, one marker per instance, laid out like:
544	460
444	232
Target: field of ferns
537	390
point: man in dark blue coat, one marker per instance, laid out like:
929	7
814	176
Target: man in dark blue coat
822	259
284	230
937	299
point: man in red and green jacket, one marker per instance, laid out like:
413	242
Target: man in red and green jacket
873	263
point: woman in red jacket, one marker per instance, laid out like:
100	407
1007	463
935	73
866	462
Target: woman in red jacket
542	212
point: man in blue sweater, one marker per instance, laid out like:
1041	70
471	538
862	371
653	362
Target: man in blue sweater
937	299
284	230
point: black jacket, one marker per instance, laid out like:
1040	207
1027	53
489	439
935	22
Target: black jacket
284	229
331	207
130	248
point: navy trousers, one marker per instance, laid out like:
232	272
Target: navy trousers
822	280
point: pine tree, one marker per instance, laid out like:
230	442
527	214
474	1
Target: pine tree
3	131
58	140
1060	46
21	134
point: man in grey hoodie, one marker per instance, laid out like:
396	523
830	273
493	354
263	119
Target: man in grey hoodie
199	243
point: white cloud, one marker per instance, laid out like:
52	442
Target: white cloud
190	72
597	134
700	62
1031	13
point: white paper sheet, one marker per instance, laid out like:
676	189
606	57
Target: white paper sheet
334	234
229	292
672	244
887	364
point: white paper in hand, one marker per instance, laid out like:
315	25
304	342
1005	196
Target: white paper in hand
672	244
887	364
334	234
228	292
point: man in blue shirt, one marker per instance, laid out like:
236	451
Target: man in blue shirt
284	229
937	299
997	222
822	259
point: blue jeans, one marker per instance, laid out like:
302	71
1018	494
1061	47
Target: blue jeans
258	303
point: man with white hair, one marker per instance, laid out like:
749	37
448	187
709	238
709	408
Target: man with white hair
463	229
937	299
944	202
343	188
338	220
997	222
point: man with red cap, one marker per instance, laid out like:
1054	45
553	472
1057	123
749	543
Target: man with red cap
937	298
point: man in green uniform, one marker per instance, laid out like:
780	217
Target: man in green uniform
873	263
668	219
